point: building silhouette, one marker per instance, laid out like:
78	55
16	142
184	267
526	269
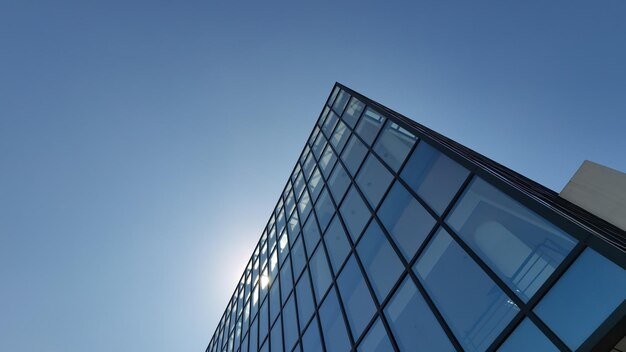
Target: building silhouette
391	237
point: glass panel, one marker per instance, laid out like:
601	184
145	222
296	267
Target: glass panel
589	291
381	263
327	161
413	323
340	136
274	301
352	113
320	273
329	125
324	209
369	125
394	144
311	341
376	339
373	180
354	213
305	300
294	226
339	182
290	203
340	103
304	205
290	324
335	334
309	163
297	257
405	219
336	243
311	233
527	337
356	297
475	308
263	321
283	248
521	247
286	281
277	337
353	154
299	184
333	95
315	184
433	176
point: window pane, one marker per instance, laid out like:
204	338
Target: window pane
589	291
286	281
433	176
333	95
356	297
297	256
309	163
369	125
475	308
379	260
521	247
324	209
394	144
305	300
336	243
376	339
328	126
413	323
320	273
405	219
340	136
339	182
335	334
311	233
354	213
290	324
373	180
274	301
353	154
277	337
311	341
294	226
327	161
315	184
263	321
527	337
341	101
304	205
353	111
299	184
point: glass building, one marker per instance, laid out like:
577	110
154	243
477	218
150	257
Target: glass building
391	237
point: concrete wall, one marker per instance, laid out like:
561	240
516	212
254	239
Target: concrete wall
599	190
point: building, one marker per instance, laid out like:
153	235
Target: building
389	236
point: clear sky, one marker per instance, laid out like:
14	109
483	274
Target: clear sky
143	144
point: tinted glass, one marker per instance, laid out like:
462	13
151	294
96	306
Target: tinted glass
356	297
297	257
369	125
335	334
405	219
338	182
380	262
353	155
433	176
341	101
373	180
376	339
327	161
290	324
340	136
394	144
315	184
311	233
521	247
413	323
475	308
336	243
277	337
305	300
274	301
354	213
352	112
332	97
311	341
286	281
320	273
527	337
263	321
589	291
324	209
304	205
328	126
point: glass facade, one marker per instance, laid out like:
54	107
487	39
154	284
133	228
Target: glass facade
385	239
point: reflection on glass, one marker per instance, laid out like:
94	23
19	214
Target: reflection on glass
405	219
311	233
352	112
341	101
340	136
376	339
353	154
373	180
336	243
290	325
324	209
356	297
305	300
311	341
521	247
328	126
277	337
327	161
394	144
474	307
335	334
338	182
354	213
527	337
589	291
320	273
369	125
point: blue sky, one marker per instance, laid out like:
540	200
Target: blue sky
143	144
